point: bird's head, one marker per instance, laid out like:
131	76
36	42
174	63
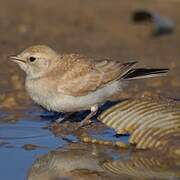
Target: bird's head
36	60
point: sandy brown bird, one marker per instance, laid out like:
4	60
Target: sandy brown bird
73	82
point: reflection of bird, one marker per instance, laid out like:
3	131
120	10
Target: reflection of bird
86	162
72	82
75	162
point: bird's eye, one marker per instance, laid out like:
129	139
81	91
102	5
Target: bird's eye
32	59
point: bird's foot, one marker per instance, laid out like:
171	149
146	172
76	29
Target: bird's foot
63	119
58	121
87	120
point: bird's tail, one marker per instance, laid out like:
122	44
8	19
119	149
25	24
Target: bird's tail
144	73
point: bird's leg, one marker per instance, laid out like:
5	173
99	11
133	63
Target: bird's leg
87	120
62	119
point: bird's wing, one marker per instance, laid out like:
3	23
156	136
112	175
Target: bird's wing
87	75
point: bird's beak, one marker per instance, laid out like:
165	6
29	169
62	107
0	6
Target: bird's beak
17	59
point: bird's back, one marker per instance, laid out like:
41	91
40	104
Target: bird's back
78	75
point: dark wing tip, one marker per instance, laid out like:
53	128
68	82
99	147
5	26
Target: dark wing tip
145	73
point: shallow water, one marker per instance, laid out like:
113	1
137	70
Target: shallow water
16	145
28	150
16	160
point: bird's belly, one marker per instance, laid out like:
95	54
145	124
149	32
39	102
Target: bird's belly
65	103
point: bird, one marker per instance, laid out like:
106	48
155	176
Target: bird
74	82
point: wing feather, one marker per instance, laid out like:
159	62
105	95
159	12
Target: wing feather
87	75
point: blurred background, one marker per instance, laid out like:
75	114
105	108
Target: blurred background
94	28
